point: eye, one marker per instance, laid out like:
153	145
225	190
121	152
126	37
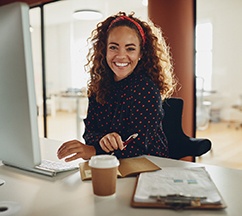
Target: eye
112	47
131	48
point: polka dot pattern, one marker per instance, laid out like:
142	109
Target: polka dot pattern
135	106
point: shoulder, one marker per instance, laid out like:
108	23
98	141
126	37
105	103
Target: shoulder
144	91
143	84
93	102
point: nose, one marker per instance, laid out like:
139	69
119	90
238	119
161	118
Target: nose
121	54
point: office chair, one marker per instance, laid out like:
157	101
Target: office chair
180	145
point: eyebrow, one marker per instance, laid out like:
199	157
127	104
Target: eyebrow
131	44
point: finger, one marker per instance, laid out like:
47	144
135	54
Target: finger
70	148
71	151
65	145
73	157
112	141
104	146
118	142
109	143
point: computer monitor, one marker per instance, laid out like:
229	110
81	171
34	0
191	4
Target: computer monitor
19	138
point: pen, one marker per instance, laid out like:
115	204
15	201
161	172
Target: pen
127	141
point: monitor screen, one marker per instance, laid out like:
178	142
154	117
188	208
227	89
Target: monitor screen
19	138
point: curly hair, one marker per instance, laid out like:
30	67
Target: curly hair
155	62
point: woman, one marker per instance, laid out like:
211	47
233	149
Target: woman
130	74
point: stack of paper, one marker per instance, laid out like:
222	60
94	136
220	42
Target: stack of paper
171	182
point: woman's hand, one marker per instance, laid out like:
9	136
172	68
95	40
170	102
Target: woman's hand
111	142
74	149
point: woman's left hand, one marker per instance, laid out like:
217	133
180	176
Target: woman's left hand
111	142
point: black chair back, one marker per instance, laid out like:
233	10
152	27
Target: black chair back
180	145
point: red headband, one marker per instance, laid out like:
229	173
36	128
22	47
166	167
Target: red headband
141	31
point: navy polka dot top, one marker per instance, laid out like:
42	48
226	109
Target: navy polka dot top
135	106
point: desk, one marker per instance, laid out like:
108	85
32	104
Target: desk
66	194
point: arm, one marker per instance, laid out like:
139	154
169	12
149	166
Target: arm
99	139
97	132
92	135
74	149
146	119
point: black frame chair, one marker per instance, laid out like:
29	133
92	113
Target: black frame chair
181	145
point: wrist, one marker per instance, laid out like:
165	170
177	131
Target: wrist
91	152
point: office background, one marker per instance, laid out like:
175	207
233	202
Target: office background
65	52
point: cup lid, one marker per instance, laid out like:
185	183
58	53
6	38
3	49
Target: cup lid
103	161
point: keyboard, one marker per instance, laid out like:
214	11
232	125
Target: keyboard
55	167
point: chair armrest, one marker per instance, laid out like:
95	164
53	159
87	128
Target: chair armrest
198	146
189	146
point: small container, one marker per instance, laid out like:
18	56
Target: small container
104	174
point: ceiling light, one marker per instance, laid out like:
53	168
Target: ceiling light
87	14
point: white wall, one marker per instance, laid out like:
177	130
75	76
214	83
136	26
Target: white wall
226	17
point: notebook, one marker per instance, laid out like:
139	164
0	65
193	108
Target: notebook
127	167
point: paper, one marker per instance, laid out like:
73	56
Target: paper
169	181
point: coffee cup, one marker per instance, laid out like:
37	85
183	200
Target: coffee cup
104	174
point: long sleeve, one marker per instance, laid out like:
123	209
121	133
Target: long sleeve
146	118
92	133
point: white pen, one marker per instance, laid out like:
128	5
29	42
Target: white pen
127	141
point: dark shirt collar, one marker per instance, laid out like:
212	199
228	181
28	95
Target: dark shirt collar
124	82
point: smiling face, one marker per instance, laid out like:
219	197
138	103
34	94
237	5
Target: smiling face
123	51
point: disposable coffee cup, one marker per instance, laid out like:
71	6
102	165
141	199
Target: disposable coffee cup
104	174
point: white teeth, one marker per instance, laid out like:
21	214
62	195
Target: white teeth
121	64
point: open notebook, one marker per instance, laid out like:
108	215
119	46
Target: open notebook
127	167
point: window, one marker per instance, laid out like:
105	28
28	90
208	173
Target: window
204	45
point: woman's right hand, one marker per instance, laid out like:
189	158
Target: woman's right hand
74	149
111	142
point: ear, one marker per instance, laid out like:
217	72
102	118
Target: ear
140	56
